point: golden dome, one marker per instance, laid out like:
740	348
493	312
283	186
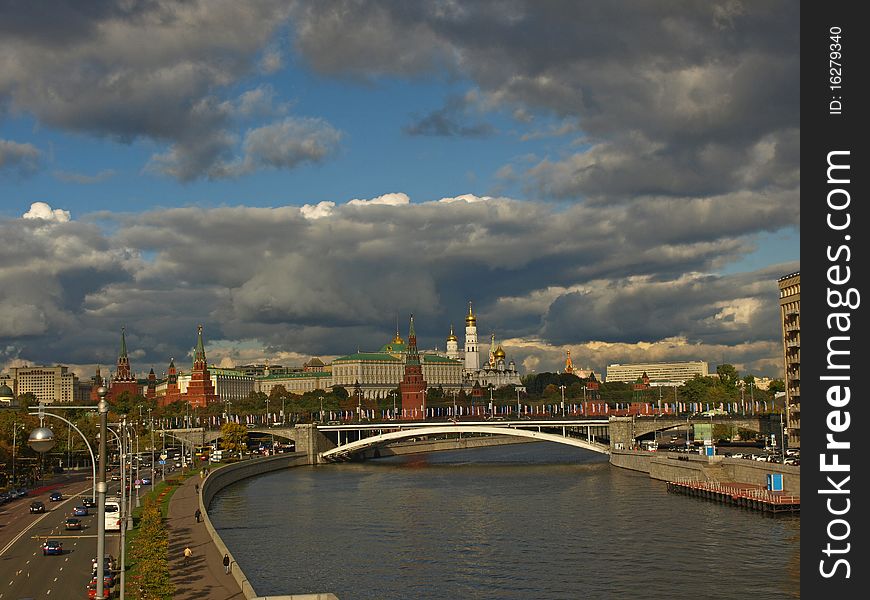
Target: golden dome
451	337
499	353
470	319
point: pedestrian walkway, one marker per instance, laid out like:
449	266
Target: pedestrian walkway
203	576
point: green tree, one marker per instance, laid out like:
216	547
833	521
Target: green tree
234	437
777	385
150	555
728	375
697	389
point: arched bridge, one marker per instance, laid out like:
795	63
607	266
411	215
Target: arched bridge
324	442
567	432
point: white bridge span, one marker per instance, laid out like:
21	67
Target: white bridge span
344	451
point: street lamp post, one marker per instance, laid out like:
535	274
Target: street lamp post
151	428
321	409
562	389
393	394
15	427
518	403
103	408
42	414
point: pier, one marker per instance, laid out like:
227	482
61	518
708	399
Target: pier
746	495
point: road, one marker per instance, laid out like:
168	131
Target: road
24	571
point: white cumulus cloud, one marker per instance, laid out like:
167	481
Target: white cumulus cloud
392	199
41	210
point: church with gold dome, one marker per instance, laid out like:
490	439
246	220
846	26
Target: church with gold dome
377	374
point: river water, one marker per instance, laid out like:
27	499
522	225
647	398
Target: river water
530	521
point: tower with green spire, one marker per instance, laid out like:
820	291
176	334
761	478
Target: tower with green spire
123	380
413	386
200	390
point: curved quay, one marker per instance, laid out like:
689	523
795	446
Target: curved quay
230	474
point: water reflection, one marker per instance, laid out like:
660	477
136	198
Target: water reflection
525	521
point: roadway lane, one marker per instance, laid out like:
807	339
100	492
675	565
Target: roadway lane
25	572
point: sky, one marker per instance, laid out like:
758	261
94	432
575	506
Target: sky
615	179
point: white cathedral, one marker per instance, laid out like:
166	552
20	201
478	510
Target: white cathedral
495	371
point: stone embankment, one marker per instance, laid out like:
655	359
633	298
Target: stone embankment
229	474
675	466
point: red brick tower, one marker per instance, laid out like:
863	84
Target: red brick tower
200	390
151	390
172	392
123	381
96	383
413	387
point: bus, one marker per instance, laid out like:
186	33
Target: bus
202	452
112	517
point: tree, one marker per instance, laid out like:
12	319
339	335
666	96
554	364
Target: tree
150	554
234	437
728	375
697	389
777	385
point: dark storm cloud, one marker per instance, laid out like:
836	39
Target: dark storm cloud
676	97
155	69
707	309
325	285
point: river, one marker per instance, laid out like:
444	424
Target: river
525	521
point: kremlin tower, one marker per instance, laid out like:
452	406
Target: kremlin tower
200	390
123	381
173	394
569	366
413	387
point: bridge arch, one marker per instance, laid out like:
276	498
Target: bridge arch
346	450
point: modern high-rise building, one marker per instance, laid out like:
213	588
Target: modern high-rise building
664	373
790	317
48	384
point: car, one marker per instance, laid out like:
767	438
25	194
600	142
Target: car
92	590
116	477
55	496
80	511
89	503
37	507
146	481
52	547
109	564
73	523
108	579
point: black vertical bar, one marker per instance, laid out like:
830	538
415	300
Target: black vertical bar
833	101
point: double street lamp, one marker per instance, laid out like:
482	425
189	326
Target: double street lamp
42	440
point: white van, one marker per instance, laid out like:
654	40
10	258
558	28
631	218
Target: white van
112	518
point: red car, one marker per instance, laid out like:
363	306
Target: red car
92	589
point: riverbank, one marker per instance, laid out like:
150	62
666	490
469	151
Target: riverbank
217	480
674	466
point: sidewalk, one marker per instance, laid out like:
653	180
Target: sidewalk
203	576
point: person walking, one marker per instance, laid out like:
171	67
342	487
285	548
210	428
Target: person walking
227	564
187	554
198	515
